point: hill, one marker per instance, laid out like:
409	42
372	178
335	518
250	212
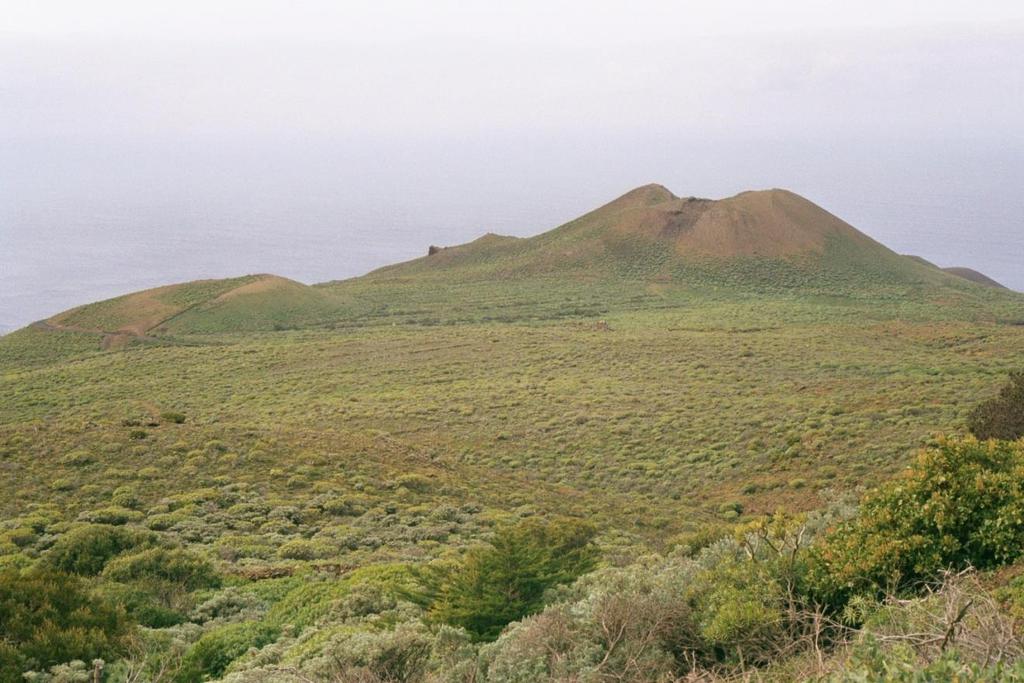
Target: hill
248	303
651	249
973	276
963	273
647	248
649	233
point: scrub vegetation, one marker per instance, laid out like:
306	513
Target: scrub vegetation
640	447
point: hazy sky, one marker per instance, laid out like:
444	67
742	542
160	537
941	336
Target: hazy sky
578	22
332	137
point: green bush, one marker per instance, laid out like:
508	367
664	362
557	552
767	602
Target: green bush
140	605
305	604
415	482
113	515
505	580
740	610
85	550
47	618
1003	416
21	537
663	619
305	549
164	521
125	497
211	655
342	507
874	664
962	503
177	566
78	458
731	510
399	654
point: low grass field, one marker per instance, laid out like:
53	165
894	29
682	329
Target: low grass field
655	420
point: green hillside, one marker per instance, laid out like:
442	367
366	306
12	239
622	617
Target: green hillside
260	471
650	234
651	249
645	250
964	273
973	276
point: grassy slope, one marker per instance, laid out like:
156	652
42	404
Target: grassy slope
140	312
973	276
649	425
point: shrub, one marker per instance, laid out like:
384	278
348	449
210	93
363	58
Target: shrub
1003	416
125	497
140	605
114	515
730	510
229	605
303	549
740	607
173	417
624	624
85	550
415	482
20	537
177	566
505	580
305	604
47	618
211	655
342	507
75	671
311	600
401	654
894	667
164	521
78	458
962	503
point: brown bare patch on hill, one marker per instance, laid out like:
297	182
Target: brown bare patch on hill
765	223
770	223
136	315
133	314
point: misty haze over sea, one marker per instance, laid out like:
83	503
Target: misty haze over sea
81	229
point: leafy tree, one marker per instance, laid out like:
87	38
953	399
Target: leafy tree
1001	417
962	503
505	580
47	618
